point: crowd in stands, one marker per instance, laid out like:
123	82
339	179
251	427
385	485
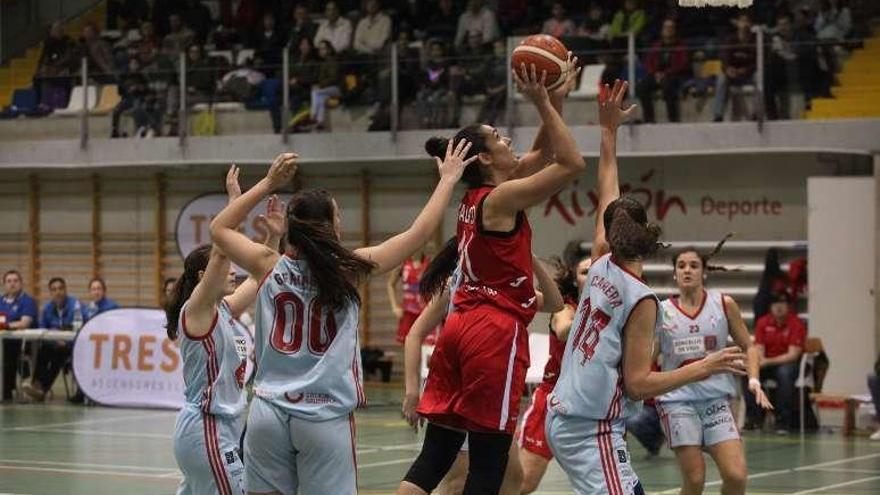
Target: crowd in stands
449	51
18	311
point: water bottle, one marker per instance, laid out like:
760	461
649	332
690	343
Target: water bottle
77	317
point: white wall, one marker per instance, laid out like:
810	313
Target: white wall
841	258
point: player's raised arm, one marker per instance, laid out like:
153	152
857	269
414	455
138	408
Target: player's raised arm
549	298
254	257
394	251
515	195
611	115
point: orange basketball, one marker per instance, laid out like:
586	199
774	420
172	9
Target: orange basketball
547	54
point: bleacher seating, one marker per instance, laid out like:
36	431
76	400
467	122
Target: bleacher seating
75	104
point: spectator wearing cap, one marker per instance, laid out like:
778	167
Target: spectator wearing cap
18	311
99	301
62	312
335	29
779	339
373	30
477	18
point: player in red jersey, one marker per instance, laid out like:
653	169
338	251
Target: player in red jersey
479	365
412	304
534	453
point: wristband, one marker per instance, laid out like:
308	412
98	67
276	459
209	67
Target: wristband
754	382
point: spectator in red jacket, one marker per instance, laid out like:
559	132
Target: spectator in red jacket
666	66
779	338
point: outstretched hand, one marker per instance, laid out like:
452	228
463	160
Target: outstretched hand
530	83
452	166
611	107
282	170
274	221
233	188
571	77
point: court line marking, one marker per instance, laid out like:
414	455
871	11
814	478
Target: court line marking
97	433
85	464
82	471
844	470
765	474
837	485
386	463
389	448
112	419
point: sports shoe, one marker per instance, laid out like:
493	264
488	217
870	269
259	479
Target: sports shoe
875	435
34	393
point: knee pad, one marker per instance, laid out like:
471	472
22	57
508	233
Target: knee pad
489	454
439	450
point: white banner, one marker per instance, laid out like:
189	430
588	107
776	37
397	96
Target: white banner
194	221
123	358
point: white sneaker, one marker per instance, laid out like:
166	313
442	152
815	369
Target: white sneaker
875	435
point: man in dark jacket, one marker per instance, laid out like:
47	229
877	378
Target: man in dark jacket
666	66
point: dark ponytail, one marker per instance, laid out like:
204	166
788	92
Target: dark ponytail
705	258
473	175
629	233
310	231
195	262
439	269
566	278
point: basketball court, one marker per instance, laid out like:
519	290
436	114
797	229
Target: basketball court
73	450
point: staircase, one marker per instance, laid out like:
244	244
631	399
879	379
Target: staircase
19	72
858	95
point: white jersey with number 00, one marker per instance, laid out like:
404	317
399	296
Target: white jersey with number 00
307	357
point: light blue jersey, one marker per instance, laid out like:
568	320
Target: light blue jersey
590	383
687	338
308	358
214	366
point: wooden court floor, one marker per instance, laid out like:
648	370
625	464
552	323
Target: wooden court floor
56	449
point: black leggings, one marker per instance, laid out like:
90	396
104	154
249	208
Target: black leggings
488	459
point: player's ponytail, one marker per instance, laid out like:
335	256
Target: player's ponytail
705	259
195	262
472	175
439	269
310	231
630	234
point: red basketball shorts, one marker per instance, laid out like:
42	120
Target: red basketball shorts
477	372
532	433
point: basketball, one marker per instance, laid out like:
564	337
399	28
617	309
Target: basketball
547	54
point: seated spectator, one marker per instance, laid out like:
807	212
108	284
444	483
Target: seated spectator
327	84
595	26
137	99
268	43
147	48
781	72
98	53
373	30
874	387
435	98
442	21
201	85
303	75
834	21
18	311
477	18
62	312
176	41
779	338
737	63
196	16
302	27
56	67
629	19
495	78
666	67
559	24
467	71
335	29
99	300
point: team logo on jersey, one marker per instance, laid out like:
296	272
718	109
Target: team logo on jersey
294	399
519	281
529	302
621	456
711	342
557	406
230	457
239	373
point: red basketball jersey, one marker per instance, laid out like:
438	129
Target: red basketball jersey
496	267
409	278
557	348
